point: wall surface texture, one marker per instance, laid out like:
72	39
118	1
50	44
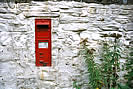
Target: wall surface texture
71	21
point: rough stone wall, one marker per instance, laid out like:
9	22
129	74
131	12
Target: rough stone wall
71	21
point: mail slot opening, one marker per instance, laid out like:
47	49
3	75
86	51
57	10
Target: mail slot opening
40	26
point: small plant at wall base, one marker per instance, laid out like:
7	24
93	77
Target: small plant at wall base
75	85
129	68
104	75
95	78
111	54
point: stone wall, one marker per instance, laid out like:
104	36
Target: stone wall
71	21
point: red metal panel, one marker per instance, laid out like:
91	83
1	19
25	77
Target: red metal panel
43	42
42	23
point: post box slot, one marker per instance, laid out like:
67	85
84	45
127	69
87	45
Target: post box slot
40	30
40	26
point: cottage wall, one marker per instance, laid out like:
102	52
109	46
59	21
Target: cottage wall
71	21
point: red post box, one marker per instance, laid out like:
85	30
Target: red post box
43	42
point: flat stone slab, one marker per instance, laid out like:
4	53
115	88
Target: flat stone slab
129	27
42	14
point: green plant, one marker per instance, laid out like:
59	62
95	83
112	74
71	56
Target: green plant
129	68
123	86
110	63
104	75
75	85
111	55
95	79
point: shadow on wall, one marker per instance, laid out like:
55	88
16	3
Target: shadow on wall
87	1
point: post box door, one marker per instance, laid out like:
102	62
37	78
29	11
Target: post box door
43	53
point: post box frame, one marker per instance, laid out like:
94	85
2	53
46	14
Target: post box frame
43	35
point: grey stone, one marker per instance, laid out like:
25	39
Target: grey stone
122	17
130	33
90	35
77	14
129	27
64	7
64	76
7	16
54	9
3	5
54	52
75	27
3	10
101	11
127	7
74	36
27	83
55	22
4	21
71	19
8	75
20	40
122	21
21	29
70	11
110	28
79	5
44	8
46	85
3	27
114	6
6	54
21	16
42	14
93	29
47	76
124	12
62	35
16	23
92	10
69	52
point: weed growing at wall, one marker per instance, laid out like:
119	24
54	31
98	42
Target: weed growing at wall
75	85
104	75
95	78
111	53
129	68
